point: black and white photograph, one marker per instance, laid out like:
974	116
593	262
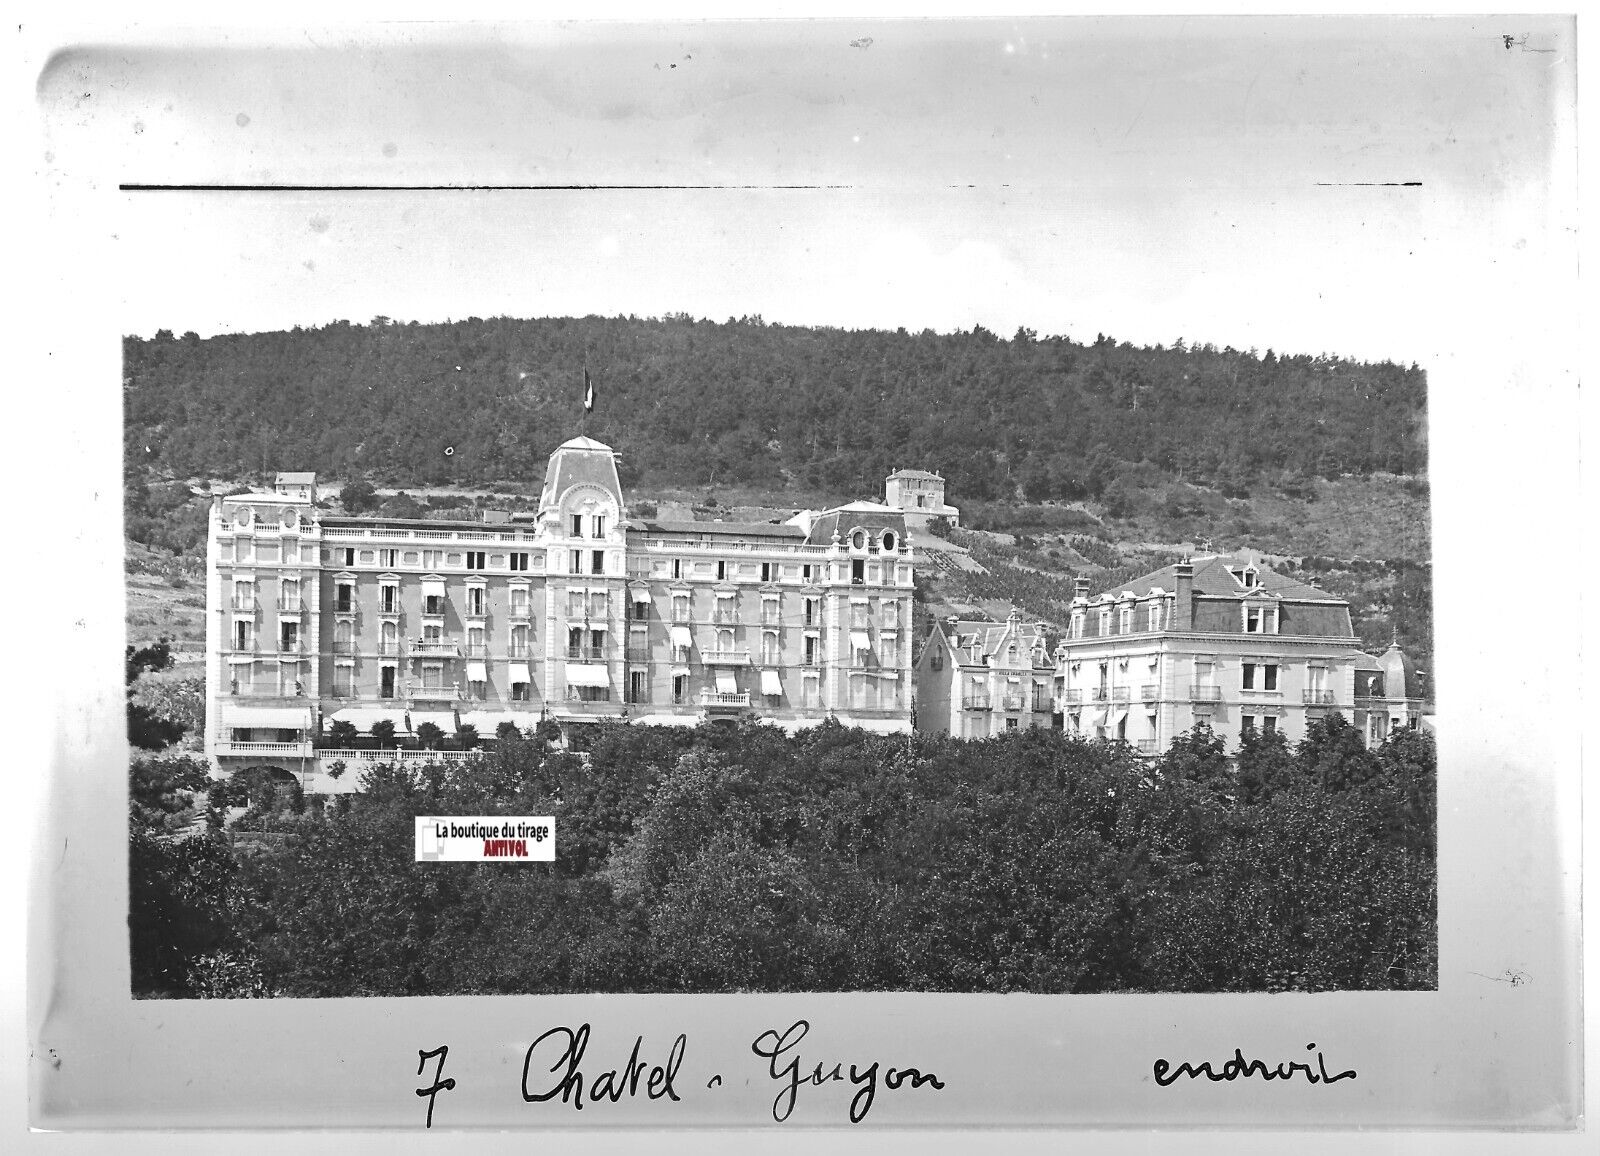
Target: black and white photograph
832	511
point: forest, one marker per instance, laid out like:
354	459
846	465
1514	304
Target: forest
695	402
719	860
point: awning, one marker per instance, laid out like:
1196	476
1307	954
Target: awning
1093	720
241	659
486	722
727	682
639	595
291	659
1116	720
518	672
1013	678
680	672
771	683
477	672
445	720
433	588
362	717
296	718
665	720
587	674
682	637
892	675
859	640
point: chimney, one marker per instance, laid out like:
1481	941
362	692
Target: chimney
1080	588
1183	601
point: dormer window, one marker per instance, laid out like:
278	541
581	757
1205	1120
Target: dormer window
1255	620
858	539
888	541
1154	622
1105	622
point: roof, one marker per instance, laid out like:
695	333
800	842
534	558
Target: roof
581	461
917	474
730	529
989	636
868	516
1211	578
296	478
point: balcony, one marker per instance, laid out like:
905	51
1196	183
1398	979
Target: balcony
1070	697
1147	746
1110	694
344	648
1199	693
332	754
1042	705
586	654
389	647
247	605
1149	692
638	654
1317	697
519	612
435	648
519	650
1011	702
477	650
976	702
725	657
724	700
682	615
433	607
301	750
726	617
390	608
295	607
291	646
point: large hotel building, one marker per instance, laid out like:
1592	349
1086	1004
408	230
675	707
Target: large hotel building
574	614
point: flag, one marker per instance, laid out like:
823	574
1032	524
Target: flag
588	393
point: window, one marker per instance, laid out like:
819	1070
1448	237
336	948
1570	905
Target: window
244	635
858	539
1247	726
348	556
638	688
810	658
386	682
577	525
519	561
389	638
680	608
859	612
641	609
1269	724
289	637
1125	620
810	692
575	561
478	689
1011	724
722	571
388	559
433	603
680	689
599	526
936	662
476	560
431	559
344	596
1077	623
597	562
574	641
1254	620
475	600
389	599
1269	677
888	648
1249	677
889	541
725	640
520	692
811	612
770	615
433	633
677	567
519	601
1154	622
1105	622
858	572
805	573
599	604
519	642
433	676
769	647
289	596
766	572
476	646
344	681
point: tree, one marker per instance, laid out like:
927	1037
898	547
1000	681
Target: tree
429	736
507	732
382	732
342	734
1265	764
467	736
358	496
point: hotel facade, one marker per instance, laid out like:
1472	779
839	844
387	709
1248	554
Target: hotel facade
571	615
1224	641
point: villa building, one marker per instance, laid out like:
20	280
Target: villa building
574	614
1217	639
977	679
920	495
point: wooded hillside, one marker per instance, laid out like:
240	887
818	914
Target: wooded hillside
695	402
